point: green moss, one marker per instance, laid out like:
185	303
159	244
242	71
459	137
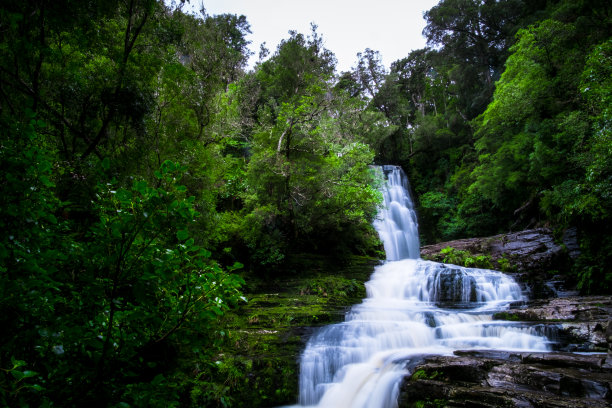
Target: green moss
465	258
506	316
504	265
423	375
429	403
265	336
472	260
432	257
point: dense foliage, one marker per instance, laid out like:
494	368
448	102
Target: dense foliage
503	123
142	168
147	176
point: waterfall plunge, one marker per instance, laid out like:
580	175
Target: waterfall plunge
413	307
396	223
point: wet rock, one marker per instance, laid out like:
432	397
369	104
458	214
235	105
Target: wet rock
576	323
608	335
508	379
585	336
529	249
532	253
518	379
574	308
452	285
570	240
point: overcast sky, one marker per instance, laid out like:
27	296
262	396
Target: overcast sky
393	27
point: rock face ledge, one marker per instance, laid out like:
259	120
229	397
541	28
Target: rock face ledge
529	250
560	378
506	379
576	323
533	254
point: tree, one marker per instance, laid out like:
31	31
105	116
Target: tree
475	36
538	92
215	50
298	61
94	308
301	187
370	72
100	275
546	118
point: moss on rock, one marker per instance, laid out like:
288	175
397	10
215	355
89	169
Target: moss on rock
265	336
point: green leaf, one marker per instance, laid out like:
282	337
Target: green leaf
141	186
204	253
29	373
123	195
182	235
46	182
44	166
159	378
17	363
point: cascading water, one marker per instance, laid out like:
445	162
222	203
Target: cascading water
396	223
413	308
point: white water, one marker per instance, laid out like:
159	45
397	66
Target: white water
396	223
413	307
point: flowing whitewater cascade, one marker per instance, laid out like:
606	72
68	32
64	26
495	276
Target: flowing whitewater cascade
396	223
413	308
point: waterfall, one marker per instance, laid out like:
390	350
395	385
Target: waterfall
396	223
413	308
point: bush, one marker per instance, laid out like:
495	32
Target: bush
464	258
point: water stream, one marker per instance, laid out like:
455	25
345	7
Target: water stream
413	308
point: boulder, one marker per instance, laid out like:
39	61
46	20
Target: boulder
508	379
575	308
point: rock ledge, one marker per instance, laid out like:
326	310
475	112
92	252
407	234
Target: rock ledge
490	379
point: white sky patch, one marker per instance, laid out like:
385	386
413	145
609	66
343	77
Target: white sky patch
393	27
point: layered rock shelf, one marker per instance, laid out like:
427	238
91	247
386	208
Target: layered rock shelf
530	250
505	379
577	374
579	322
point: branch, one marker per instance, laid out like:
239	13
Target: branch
25	88
285	132
128	46
188	310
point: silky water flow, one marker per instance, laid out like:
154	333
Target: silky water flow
413	308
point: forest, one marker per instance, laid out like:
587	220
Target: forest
148	174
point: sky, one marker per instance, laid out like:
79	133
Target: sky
392	27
